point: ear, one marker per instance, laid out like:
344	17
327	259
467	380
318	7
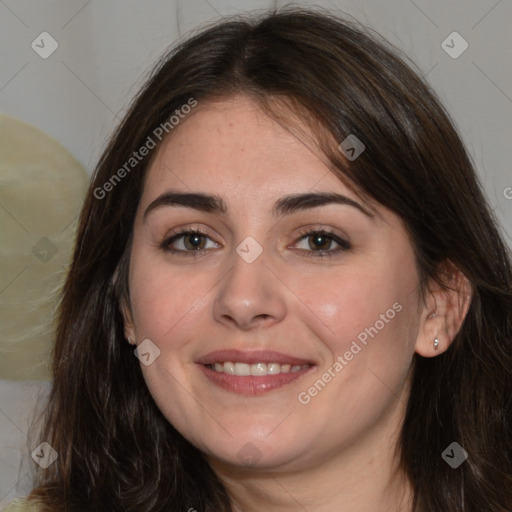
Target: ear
122	293
444	309
129	328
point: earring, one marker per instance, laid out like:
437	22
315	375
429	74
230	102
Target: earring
130	341
436	343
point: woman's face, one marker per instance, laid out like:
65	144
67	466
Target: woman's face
287	321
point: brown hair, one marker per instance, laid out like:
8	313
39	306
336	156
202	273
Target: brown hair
116	450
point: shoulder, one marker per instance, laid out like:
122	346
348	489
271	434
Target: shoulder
22	505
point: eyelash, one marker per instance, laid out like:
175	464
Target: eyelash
343	244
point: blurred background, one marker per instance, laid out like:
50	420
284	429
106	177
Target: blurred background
67	72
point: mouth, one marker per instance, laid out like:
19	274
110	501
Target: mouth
254	372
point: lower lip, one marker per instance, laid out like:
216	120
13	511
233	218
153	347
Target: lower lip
249	384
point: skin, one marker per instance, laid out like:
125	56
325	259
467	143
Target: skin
336	452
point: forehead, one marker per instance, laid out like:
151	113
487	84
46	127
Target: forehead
233	146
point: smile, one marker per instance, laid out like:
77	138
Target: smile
252	372
256	369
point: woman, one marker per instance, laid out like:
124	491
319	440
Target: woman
288	234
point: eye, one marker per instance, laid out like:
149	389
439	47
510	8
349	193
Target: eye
321	243
188	241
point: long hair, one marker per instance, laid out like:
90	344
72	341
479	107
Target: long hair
117	452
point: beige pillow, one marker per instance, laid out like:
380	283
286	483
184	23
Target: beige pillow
42	188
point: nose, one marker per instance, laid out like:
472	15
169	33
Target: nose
250	296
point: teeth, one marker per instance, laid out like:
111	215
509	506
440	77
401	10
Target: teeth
273	368
229	368
257	369
241	368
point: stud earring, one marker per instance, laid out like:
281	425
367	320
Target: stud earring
436	343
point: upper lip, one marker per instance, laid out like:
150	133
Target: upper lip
251	357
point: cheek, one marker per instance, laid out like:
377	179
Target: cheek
366	323
353	306
365	319
168	304
166	301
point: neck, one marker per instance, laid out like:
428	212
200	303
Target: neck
323	490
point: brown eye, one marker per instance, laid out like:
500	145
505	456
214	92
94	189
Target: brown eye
194	241
188	242
320	241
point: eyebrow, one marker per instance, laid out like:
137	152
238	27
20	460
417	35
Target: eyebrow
284	206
